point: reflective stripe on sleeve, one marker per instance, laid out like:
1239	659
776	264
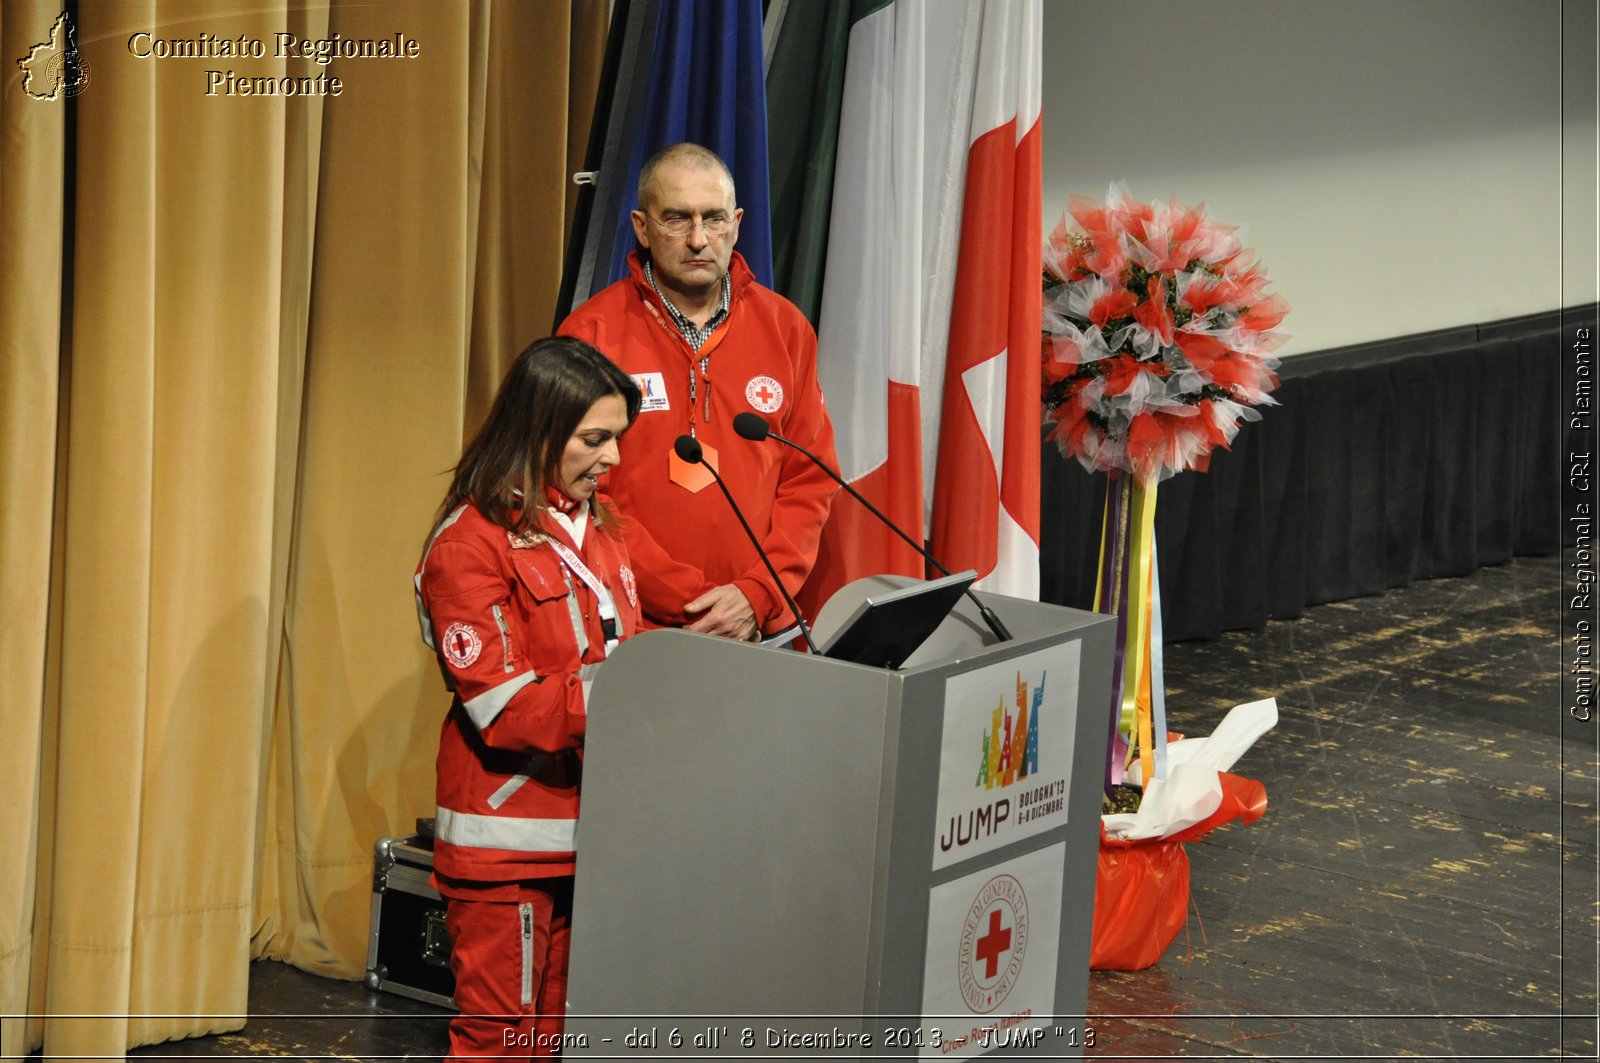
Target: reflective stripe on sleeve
485	708
422	609
505	832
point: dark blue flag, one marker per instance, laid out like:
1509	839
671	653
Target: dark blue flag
707	85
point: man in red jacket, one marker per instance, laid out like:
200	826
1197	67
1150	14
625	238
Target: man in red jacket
704	341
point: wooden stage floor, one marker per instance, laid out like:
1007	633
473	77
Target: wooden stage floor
1423	884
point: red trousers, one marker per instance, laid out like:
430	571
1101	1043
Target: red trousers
510	963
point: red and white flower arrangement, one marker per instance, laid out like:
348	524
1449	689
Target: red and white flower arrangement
1158	335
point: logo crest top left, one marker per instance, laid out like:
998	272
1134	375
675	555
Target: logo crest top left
55	69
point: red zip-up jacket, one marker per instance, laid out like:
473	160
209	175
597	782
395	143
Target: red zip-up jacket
762	359
517	634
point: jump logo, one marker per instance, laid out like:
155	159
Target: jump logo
1011	745
1013	795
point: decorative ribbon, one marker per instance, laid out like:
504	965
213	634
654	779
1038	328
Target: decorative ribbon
1110	594
1158	684
1136	711
1127	585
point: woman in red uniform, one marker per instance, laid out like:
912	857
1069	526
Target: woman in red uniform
523	589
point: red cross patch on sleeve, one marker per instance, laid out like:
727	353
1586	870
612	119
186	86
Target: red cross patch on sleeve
460	645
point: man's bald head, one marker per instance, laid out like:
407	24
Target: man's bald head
690	157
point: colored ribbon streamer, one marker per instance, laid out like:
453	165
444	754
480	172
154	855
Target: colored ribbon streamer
1110	594
1135	717
1127	585
1158	686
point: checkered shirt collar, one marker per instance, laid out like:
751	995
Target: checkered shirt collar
693	333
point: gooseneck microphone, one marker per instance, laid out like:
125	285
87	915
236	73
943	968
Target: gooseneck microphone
754	427
688	448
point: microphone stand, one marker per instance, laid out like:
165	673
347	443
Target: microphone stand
689	449
1000	630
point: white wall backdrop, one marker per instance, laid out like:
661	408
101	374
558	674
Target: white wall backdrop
1398	165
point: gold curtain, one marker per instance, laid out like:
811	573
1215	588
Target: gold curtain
242	338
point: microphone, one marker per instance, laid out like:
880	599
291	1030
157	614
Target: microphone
688	448
755	428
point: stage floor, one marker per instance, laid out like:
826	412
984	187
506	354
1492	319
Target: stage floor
1423	883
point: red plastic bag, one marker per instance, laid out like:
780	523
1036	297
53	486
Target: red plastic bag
1141	889
1141	899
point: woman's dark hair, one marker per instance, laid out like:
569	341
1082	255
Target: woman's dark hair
518	450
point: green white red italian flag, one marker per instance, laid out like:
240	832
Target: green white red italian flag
929	325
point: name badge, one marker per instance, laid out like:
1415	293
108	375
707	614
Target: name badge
653	390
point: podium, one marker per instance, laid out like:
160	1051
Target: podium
788	856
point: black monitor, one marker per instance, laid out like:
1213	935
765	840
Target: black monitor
888	626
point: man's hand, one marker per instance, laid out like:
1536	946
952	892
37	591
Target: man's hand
727	613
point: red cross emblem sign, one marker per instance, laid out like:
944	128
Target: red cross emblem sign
993	943
764	393
461	645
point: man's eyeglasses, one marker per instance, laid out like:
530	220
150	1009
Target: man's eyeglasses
678	225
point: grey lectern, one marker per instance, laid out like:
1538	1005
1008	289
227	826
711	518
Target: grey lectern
787	856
